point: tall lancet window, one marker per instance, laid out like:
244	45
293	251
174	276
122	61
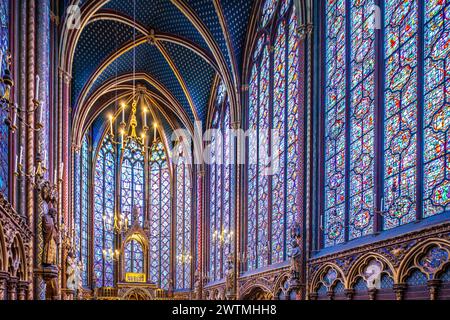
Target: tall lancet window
132	181
81	205
380	135
134	257
160	216
183	234
104	195
221	221
437	108
274	89
4	130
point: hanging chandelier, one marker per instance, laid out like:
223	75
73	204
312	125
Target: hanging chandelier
128	129
222	237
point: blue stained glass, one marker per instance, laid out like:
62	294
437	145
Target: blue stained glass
134	257
401	25
104	195
437	109
221	183
132	181
160	217
4	129
335	122
277	182
362	120
183	228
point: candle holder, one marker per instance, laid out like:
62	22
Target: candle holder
15	113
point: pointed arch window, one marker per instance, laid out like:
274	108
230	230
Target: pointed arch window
273	200
183	234
221	219
132	181
104	202
134	257
374	81
82	205
160	216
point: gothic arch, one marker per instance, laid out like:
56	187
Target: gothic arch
137	294
280	285
257	292
413	260
319	277
17	265
357	269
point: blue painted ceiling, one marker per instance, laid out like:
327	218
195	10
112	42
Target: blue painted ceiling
100	39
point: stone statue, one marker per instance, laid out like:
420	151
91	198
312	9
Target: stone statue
51	238
71	272
296	253
79	279
229	276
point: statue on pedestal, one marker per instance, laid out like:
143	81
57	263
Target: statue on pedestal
71	270
296	254
50	233
79	280
229	277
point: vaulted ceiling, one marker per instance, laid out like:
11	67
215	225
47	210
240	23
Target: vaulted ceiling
181	46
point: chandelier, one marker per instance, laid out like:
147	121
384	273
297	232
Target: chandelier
118	224
184	259
111	255
222	237
128	130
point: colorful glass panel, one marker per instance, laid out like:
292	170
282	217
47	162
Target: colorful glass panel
400	127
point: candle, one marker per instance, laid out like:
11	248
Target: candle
15	115
55	174
145	117
154	133
37	87
61	171
41	115
17	164
111	124
21	155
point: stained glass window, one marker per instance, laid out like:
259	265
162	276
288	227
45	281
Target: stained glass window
84	217
221	184
4	130
353	65
134	257
81	205
436	170
183	226
401	46
273	186
160	217
104	195
132	181
362	119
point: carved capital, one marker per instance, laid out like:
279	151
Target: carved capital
399	290
433	286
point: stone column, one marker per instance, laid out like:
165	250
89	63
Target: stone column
433	286
399	290
22	289
12	288
3	281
